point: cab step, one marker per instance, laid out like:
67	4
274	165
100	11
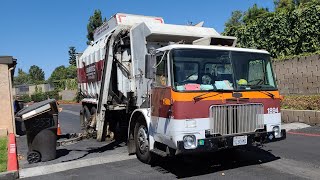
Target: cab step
159	152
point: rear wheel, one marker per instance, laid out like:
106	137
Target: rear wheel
141	137
86	116
33	157
93	117
87	120
93	111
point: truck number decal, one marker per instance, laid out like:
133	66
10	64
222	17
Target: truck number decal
273	110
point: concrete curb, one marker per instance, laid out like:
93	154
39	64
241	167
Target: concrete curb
9	175
12	165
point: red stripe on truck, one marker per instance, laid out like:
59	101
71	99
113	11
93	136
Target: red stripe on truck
200	109
82	74
159	19
120	16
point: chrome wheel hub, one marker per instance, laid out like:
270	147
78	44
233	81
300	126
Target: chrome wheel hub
143	140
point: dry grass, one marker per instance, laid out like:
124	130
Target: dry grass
300	102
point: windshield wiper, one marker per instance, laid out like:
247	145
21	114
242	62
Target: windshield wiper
258	87
200	97
267	93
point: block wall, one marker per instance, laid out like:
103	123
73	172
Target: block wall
298	75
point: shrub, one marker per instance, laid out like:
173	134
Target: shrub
52	95
79	97
25	98
282	33
37	97
40	96
301	102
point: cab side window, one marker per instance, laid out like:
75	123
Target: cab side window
162	71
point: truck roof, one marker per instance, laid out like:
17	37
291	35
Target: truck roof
188	46
124	19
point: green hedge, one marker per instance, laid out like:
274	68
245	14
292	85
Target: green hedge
282	33
301	102
40	96
25	98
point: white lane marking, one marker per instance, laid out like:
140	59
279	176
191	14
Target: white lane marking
53	168
71	112
296	168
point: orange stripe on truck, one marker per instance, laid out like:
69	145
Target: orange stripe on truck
188	96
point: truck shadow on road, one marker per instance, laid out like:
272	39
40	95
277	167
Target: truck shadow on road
110	146
188	166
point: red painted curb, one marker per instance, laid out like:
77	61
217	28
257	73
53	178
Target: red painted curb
12	153
304	134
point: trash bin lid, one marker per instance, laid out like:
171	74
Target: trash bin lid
37	109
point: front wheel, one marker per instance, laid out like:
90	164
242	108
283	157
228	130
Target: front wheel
141	137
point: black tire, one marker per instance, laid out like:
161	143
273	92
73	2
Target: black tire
143	154
33	157
93	110
86	116
93	113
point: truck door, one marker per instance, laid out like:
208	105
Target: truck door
161	99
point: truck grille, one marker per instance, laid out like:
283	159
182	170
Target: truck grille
234	119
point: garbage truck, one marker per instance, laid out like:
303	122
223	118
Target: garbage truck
176	89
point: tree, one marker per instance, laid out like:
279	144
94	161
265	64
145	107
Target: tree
292	4
285	4
71	72
58	74
233	23
253	13
285	32
235	19
307	2
72	56
64	77
94	22
36	74
22	78
62	72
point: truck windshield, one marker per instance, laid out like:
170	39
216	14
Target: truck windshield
217	70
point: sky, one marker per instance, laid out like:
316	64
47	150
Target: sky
40	32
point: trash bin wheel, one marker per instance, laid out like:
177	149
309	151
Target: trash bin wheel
33	157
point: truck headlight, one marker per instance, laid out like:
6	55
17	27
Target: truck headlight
189	141
276	130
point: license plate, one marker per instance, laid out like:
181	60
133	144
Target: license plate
239	140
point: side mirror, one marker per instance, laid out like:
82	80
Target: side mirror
150	70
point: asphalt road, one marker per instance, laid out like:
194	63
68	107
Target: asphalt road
297	157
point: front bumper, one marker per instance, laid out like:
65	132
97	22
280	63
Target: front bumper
212	144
